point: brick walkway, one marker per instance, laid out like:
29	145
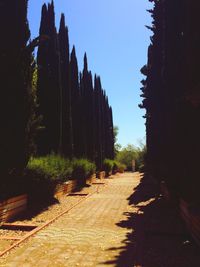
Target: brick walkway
86	236
123	225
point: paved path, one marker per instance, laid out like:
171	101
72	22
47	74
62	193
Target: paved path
123	225
87	236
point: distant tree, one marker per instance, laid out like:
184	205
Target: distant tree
127	155
117	146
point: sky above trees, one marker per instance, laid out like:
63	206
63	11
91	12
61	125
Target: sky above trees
114	35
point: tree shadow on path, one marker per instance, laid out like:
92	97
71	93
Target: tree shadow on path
157	236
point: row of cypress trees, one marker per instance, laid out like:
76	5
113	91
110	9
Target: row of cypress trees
46	103
76	116
171	93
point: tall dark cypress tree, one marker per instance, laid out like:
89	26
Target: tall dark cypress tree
49	84
171	93
75	104
16	71
87	95
85	102
111	134
83	146
103	125
154	96
98	123
67	133
90	119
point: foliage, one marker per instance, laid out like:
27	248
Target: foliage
69	112
17	105
130	153
118	167
127	155
171	96
117	146
49	85
52	167
121	167
82	169
108	165
75	105
113	166
77	120
104	135
65	106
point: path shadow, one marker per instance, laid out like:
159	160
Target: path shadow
157	236
35	208
42	202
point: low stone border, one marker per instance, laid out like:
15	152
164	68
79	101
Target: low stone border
190	213
91	179
165	191
12	207
65	188
101	175
191	217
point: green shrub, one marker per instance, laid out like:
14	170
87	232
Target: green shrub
43	174
82	169
118	167
53	167
108	165
113	166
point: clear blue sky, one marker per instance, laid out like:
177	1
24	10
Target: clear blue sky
113	34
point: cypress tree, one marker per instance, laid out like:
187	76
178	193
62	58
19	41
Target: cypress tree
171	95
103	118
75	104
83	147
16	70
98	123
109	134
66	109
49	84
154	95
87	94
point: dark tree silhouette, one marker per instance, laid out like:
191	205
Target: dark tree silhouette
87	99
171	96
49	85
66	112
17	105
77	119
75	104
